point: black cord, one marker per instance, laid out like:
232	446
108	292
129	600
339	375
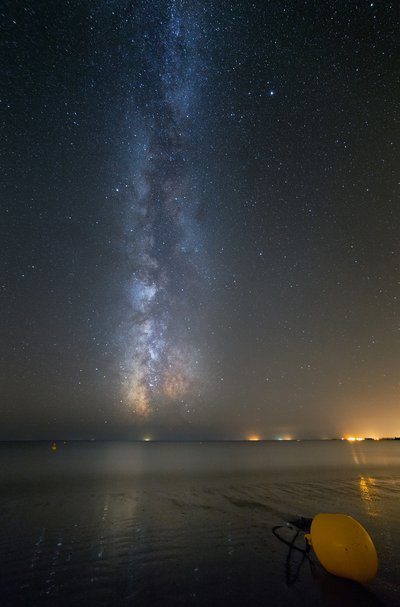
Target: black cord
291	578
291	542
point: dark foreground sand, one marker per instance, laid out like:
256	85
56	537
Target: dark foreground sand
78	534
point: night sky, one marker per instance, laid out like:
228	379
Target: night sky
200	219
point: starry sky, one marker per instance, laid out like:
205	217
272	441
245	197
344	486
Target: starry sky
200	219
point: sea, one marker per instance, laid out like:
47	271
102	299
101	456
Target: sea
191	523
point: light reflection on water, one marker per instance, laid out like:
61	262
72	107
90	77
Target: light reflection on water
133	523
370	495
26	461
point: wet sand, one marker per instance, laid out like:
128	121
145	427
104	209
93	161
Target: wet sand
189	524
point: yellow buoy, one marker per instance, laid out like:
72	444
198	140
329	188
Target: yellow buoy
53	446
343	547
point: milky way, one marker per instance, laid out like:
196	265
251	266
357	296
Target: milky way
163	239
200	219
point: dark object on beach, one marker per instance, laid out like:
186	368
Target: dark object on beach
292	572
303	523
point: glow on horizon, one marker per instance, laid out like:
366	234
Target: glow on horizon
353	439
253	437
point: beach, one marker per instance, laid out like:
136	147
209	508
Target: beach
190	523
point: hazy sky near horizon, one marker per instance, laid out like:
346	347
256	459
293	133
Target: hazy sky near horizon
200	219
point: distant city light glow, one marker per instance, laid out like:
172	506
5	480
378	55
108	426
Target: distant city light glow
353	439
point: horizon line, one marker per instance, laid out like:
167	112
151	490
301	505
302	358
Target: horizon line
194	440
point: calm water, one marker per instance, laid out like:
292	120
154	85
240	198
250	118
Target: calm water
188	523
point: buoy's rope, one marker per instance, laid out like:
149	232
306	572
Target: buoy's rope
291	578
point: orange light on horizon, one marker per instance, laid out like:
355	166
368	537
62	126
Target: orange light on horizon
352	439
253	437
